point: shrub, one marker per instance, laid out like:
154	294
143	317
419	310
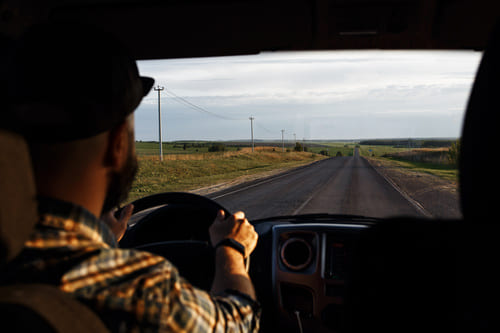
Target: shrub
216	147
454	152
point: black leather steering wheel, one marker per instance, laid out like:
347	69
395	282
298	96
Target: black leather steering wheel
177	228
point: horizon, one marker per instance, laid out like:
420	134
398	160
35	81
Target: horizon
311	140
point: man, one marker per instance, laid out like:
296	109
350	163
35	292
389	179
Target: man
78	120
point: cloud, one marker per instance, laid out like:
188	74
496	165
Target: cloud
305	91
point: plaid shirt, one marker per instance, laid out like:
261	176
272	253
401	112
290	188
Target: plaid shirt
131	290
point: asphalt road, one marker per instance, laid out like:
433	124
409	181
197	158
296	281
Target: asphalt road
339	185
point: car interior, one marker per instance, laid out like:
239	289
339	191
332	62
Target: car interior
316	275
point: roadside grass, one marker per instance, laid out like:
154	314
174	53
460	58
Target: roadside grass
194	171
443	170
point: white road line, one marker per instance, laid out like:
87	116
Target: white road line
415	203
295	212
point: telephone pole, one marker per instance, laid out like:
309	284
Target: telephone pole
283	140
159	89
251	128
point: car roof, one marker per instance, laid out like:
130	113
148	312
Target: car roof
154	29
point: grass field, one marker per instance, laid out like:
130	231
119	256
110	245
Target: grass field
188	171
379	150
333	148
200	147
191	147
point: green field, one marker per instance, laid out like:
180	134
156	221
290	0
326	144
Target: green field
330	148
188	147
200	147
378	151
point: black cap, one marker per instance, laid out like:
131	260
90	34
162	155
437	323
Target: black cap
70	81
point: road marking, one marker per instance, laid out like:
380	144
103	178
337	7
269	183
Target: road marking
295	212
316	190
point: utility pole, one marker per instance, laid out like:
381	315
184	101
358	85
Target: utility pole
159	89
283	140
251	128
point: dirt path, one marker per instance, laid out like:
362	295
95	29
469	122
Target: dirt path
439	197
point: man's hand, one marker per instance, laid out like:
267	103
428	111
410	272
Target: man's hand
230	272
118	226
236	227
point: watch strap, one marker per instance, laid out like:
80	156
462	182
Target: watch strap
232	243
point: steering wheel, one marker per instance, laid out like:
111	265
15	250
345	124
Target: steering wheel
175	225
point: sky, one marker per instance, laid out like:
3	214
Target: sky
343	95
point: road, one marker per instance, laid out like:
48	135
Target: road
339	185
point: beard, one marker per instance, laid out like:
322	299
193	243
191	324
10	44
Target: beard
121	183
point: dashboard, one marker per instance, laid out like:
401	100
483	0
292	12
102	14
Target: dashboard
310	267
322	272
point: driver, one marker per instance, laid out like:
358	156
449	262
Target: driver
77	117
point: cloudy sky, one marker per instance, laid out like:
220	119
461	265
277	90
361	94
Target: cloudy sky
316	95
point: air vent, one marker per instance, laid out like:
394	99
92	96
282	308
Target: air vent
296	254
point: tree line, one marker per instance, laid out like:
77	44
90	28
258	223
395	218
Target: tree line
413	143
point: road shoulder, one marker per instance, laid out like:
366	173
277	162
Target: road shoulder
437	196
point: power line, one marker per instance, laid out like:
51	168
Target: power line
264	128
195	107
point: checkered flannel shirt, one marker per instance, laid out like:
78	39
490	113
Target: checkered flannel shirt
130	290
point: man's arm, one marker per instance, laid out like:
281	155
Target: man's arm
150	289
230	272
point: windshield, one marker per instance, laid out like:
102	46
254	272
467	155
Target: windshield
372	133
